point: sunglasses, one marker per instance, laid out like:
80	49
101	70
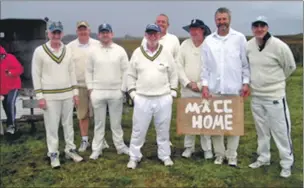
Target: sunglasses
259	24
56	32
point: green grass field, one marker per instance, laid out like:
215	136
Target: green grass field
24	162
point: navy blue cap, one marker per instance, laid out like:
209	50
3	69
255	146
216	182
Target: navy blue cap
152	27
105	27
56	26
198	23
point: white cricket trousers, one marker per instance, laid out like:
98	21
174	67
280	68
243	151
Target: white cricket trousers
272	118
55	111
232	142
189	141
146	107
114	100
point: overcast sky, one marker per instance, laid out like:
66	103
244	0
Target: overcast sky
131	17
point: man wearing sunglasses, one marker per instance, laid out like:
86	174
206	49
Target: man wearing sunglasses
152	83
271	63
54	81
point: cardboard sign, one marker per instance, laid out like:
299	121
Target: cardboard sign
217	116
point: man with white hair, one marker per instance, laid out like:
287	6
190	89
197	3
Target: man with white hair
189	63
152	82
54	81
168	40
81	48
271	63
225	72
106	81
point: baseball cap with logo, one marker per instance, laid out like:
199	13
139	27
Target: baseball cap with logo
260	20
152	28
105	27
82	24
56	26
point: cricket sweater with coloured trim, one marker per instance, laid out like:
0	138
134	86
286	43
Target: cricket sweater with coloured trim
170	43
53	73
269	68
80	55
189	63
152	74
106	68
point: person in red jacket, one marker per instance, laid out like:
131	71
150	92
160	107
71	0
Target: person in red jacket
10	83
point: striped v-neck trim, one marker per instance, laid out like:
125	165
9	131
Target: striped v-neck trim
154	56
52	56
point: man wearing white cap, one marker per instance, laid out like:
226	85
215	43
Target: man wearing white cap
54	81
80	48
152	82
271	63
189	63
106	81
225	72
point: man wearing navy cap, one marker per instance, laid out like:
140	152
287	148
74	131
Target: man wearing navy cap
168	40
152	84
189	63
106	81
269	105
54	81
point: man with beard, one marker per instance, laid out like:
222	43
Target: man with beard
80	48
168	40
152	82
189	62
225	72
269	105
54	81
106	81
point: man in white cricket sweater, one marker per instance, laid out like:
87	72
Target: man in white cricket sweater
225	71
189	63
271	63
106	81
168	40
152	82
54	81
80	48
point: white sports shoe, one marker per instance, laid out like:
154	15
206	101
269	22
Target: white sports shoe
55	163
219	160
83	146
168	162
72	154
208	155
132	164
105	144
232	161
11	129
188	152
285	172
95	155
125	150
258	164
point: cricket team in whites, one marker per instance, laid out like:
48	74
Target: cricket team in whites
95	75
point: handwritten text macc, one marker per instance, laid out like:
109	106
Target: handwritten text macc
218	117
